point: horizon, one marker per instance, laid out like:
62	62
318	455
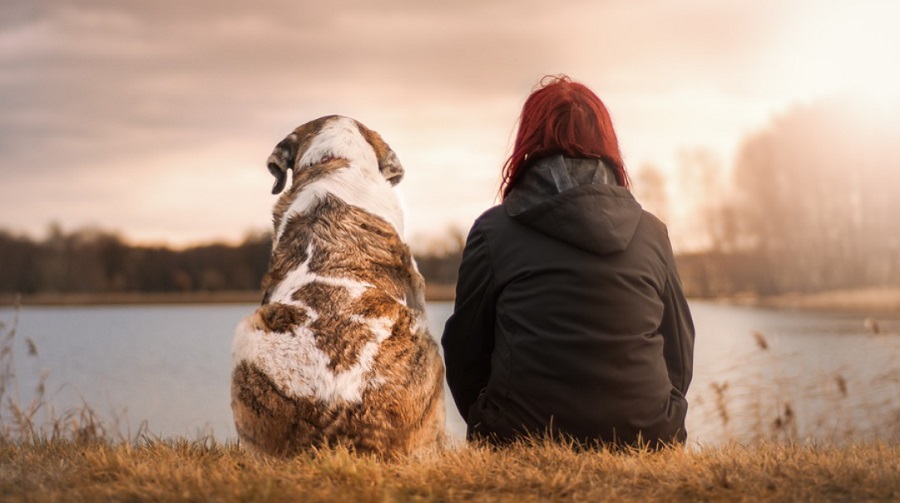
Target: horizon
154	121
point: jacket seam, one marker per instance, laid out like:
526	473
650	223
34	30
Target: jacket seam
670	268
678	335
506	389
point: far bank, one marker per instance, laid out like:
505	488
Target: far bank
865	301
433	293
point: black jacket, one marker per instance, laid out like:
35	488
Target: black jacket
570	315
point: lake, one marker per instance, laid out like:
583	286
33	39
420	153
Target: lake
758	373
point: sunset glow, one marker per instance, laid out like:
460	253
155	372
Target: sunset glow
849	47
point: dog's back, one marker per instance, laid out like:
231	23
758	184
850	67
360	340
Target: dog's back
339	352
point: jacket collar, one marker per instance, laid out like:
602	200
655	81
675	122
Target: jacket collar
553	175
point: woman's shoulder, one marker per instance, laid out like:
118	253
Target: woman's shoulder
652	223
492	226
490	218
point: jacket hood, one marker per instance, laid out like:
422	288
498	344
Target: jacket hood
576	201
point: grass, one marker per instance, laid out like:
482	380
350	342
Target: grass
75	456
773	393
539	471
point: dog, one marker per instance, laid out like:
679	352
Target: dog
339	352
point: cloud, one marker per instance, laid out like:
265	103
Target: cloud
199	58
107	86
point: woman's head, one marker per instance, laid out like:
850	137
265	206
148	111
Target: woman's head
563	117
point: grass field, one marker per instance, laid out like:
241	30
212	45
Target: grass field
206	471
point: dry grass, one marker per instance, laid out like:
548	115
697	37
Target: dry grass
197	471
37	421
766	396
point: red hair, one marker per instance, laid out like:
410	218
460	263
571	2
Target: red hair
563	117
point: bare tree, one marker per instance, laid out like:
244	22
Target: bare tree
819	191
650	189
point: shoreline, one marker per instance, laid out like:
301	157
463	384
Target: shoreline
436	293
875	300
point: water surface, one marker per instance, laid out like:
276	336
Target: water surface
810	375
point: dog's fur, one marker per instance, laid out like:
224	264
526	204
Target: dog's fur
339	352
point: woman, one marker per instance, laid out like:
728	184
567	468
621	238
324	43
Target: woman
570	318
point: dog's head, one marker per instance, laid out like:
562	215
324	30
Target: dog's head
327	138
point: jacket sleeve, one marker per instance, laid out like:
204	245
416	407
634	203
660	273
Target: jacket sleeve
677	329
468	339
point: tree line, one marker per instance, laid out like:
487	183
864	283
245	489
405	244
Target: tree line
91	260
98	261
812	204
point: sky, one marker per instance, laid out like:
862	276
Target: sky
154	119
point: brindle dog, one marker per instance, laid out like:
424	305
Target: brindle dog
339	351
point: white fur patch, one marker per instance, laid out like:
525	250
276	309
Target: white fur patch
339	138
359	184
294	362
297	278
300	369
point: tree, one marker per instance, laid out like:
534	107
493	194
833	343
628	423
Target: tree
818	194
651	191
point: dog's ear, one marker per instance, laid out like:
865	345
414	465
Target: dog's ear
281	161
391	168
388	163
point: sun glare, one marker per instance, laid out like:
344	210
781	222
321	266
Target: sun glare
850	47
